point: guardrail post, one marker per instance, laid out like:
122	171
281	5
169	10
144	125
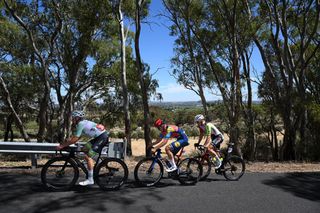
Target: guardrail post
34	164
124	148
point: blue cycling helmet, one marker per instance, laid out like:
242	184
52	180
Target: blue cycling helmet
79	114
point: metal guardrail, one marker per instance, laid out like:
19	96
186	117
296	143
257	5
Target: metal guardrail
117	149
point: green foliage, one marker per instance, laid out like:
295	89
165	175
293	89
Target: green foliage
154	132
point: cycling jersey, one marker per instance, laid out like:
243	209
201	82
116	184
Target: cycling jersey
88	128
209	129
95	131
172	131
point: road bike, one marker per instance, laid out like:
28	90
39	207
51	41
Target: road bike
62	172
149	171
232	167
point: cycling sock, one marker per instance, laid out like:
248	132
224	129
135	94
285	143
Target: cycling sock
173	164
90	174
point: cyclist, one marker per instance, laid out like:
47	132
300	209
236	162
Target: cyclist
167	132
95	131
213	137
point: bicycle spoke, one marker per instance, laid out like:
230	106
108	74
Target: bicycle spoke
148	172
111	174
59	174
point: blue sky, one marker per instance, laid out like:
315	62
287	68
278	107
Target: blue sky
156	46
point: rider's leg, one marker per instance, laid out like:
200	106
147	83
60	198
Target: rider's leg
90	167
216	142
212	151
90	180
89	154
171	157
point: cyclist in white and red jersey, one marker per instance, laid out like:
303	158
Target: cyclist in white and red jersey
213	137
92	130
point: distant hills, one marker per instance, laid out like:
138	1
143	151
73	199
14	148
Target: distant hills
172	104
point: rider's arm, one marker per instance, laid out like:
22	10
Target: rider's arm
207	140
69	141
156	142
200	137
161	144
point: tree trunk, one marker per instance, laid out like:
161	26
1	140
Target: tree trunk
235	84
248	111
43	117
288	146
203	101
140	70
127	120
8	128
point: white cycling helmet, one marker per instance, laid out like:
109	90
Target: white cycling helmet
198	118
79	114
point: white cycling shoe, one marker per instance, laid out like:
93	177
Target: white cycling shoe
86	182
172	169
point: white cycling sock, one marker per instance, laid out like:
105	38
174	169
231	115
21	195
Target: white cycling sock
173	164
90	174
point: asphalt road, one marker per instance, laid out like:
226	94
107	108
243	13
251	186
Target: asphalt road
255	192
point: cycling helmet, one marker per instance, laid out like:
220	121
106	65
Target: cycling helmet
158	123
198	118
79	114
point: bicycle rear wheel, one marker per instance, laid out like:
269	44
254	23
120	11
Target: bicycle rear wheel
148	172
233	168
190	171
111	174
59	174
206	167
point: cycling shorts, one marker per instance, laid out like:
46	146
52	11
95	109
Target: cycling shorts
94	146
182	141
216	140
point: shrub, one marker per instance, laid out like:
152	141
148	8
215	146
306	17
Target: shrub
154	133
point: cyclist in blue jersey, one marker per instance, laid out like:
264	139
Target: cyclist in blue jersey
95	131
167	132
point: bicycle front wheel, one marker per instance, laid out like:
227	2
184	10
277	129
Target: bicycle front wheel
59	174
111	174
233	168
190	171
148	172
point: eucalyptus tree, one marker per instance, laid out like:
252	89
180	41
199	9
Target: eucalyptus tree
220	29
189	63
7	97
141	11
288	40
30	16
123	9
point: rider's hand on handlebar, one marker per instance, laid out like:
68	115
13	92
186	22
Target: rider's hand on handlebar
153	150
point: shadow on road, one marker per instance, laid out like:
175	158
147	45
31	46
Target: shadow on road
26	191
304	185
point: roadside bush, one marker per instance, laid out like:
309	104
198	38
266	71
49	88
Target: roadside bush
134	135
154	133
121	134
113	134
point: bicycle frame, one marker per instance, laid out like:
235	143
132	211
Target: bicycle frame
72	156
159	158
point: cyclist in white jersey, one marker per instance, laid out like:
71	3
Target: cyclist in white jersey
213	137
99	138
